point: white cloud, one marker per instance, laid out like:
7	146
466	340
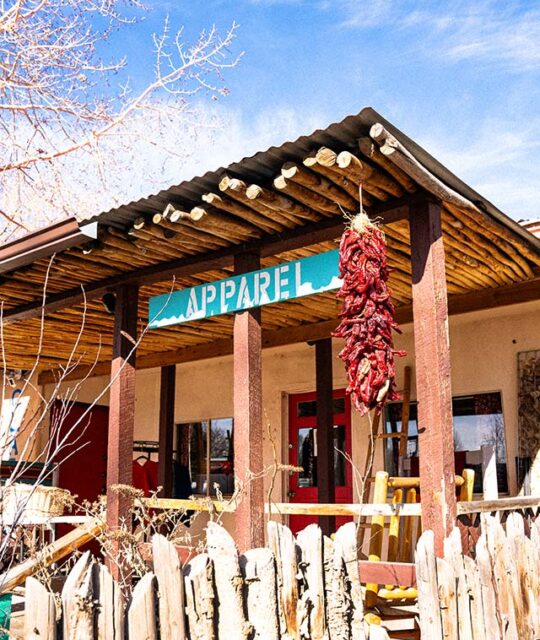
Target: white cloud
487	31
499	161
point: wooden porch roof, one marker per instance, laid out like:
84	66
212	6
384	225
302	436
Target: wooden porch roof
287	202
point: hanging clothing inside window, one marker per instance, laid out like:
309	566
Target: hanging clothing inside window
145	476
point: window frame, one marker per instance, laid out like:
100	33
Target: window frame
187	457
457	396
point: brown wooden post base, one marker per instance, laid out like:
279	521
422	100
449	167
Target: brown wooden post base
326	489
121	418
248	423
432	367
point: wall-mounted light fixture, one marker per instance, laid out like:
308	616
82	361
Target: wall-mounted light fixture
109	302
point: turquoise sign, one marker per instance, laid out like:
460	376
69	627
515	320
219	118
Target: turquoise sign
286	281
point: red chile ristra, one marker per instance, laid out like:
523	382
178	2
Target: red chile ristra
367	316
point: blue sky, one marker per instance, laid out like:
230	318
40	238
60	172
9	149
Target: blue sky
461	78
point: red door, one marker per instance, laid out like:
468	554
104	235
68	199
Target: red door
83	460
303	453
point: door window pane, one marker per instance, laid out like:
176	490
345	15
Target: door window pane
339	455
308	408
307	457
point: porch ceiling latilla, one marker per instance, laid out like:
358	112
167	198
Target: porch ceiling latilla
287	202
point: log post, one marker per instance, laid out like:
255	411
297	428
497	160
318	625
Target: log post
166	430
433	383
121	411
248	429
326	488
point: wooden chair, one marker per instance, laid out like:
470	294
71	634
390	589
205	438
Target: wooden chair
403	532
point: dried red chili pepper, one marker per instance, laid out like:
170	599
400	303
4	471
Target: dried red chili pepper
367	316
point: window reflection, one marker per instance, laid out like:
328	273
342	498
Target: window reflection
478	421
307	456
216	472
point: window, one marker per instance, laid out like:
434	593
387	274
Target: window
478	421
206	448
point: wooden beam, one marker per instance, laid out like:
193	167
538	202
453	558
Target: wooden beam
326	488
49	554
248	422
290	508
327	229
402	573
302	236
519	503
528	291
121	412
166	429
432	368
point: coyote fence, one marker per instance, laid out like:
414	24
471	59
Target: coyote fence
303	588
494	596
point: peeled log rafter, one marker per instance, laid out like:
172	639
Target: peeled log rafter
281	203
318	202
365	172
347	184
202	238
397	153
319	184
242	212
215	224
501	238
211	218
153	236
236	189
328	159
370	150
466	244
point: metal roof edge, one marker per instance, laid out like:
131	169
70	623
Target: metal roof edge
449	178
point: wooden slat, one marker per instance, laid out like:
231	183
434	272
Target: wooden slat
260	596
109	619
77	600
39	612
142	621
170	582
283	545
428	594
338	603
200	598
311	610
231	617
346	540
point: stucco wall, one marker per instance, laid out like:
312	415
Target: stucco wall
484	347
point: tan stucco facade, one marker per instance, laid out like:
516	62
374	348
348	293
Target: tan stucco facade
484	348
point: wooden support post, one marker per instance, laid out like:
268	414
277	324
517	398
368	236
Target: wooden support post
166	430
326	487
121	410
248	427
433	383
